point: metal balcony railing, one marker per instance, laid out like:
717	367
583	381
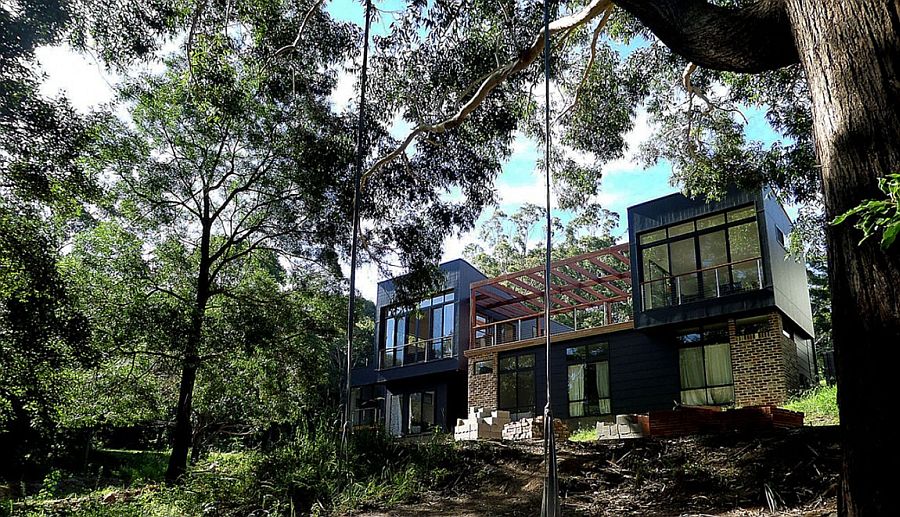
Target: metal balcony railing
702	284
417	352
567	319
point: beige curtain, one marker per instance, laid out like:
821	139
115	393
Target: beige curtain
718	364
576	389
602	373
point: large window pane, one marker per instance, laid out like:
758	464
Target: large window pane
601	376
576	381
389	333
525	388
401	330
428	408
718	364
712	249
656	262
684	260
506	393
437	322
691	366
744	241
448	319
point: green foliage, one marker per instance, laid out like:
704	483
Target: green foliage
819	406
303	475
878	216
586	434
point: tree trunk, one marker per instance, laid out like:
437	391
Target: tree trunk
851	53
182	437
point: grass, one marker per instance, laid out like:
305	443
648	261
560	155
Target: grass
585	434
818	404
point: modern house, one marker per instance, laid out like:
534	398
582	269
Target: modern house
701	307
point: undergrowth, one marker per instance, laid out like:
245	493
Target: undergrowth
818	404
306	475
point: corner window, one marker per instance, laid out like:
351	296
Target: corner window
422	334
705	258
704	363
588	380
515	385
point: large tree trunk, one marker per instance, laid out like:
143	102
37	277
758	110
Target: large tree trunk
850	50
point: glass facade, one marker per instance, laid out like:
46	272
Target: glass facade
515	390
704	360
705	258
422	334
588	380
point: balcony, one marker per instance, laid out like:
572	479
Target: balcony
703	284
417	352
587	291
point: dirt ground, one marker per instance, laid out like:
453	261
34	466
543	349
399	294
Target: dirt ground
785	472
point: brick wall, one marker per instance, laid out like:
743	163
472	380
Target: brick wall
483	387
793	382
759	365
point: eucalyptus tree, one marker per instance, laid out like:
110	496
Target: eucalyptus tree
234	153
823	72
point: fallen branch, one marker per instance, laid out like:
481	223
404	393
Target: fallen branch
492	80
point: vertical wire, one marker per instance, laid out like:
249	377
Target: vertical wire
550	501
347	428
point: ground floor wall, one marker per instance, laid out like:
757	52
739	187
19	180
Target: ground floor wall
421	404
767	367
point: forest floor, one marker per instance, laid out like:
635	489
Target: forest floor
785	472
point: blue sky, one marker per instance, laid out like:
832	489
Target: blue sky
624	181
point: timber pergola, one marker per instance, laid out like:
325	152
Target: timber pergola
584	291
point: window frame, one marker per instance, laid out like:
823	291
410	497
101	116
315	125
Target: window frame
587	359
409	419
406	337
707	338
516	411
669	290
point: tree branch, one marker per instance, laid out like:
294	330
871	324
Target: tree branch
590	63
750	39
492	80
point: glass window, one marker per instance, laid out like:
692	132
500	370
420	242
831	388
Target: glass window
656	262
422	334
681	229
713	252
741	213
588	381
684	265
421	411
516	387
709	222
484	367
389	338
744	241
705	372
750	326
654	236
